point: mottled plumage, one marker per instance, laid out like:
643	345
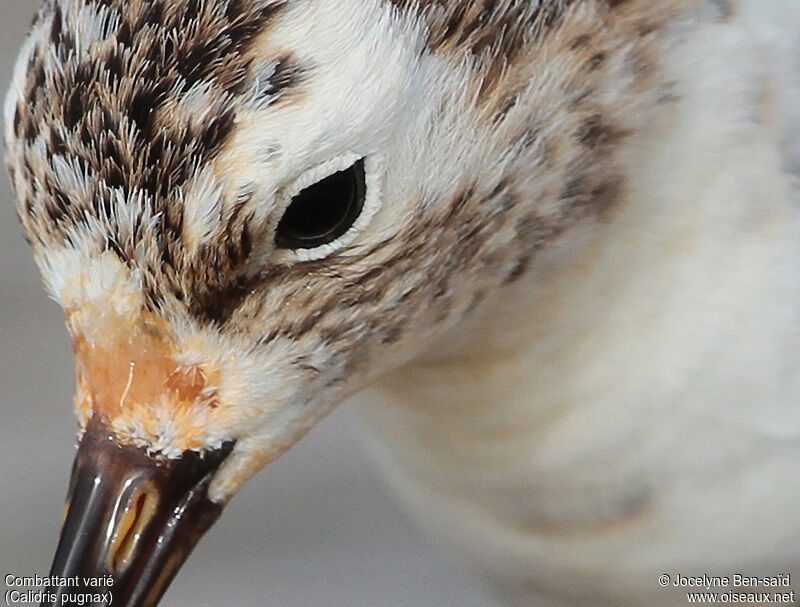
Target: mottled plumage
541	265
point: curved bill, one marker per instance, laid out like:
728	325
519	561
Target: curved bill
131	521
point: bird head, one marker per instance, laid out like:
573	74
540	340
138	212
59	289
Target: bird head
249	209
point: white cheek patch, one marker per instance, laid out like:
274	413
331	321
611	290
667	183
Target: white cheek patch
373	200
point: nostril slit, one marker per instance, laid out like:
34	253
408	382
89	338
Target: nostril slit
130	526
125	533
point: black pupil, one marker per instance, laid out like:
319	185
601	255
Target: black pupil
322	212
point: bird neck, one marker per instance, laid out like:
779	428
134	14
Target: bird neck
550	421
678	309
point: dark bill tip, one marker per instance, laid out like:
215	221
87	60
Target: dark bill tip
131	521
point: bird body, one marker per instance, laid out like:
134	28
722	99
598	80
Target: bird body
568	264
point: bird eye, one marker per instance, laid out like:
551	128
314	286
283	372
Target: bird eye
324	211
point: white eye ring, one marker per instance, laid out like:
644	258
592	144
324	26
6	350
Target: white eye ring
373	174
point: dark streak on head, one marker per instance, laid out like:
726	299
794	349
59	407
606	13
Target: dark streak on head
494	26
109	108
285	76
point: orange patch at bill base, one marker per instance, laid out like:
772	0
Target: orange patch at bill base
128	370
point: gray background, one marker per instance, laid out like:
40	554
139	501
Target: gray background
315	528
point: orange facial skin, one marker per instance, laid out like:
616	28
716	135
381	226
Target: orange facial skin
127	373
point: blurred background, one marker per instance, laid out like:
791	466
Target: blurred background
315	528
